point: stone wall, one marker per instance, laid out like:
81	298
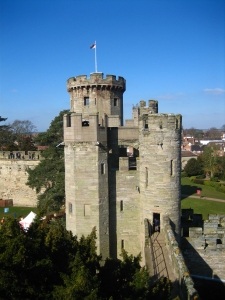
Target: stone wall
181	270
13	178
205	247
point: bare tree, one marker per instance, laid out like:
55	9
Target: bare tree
22	129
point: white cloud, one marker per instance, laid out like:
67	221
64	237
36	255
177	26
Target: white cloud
216	91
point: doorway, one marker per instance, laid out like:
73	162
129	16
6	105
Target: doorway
156	222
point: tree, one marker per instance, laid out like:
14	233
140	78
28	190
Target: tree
48	262
31	262
48	177
54	135
213	132
210	159
21	129
223	127
193	167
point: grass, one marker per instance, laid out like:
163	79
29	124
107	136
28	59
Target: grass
16	211
190	188
201	206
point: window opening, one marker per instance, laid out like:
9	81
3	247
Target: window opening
116	101
70	208
85	123
86	101
102	168
146	176
68	120
122	244
121	205
171	167
132	163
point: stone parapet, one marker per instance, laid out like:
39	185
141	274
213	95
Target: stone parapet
182	273
96	80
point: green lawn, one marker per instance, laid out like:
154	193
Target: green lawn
190	188
203	207
19	211
200	205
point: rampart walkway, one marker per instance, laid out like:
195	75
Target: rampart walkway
158	262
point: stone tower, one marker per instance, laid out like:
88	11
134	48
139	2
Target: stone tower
95	105
118	178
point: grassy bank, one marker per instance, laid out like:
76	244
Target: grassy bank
190	188
201	206
16	211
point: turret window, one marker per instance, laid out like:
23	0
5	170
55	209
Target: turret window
70	208
102	168
116	101
121	205
68	120
86	101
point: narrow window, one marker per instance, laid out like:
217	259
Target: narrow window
102	168
122	244
132	163
70	208
171	167
87	210
68	120
86	101
121	205
95	101
146	124
146	176
116	102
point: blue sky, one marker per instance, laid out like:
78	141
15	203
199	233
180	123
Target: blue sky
172	51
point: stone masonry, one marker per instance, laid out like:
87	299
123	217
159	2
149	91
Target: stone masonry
117	176
13	178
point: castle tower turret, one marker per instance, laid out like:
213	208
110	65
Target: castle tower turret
98	95
95	104
160	157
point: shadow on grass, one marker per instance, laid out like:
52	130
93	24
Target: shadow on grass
189	190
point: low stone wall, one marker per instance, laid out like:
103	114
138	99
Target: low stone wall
13	178
20	155
181	271
205	247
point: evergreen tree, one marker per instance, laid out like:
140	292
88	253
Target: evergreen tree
193	167
48	177
48	262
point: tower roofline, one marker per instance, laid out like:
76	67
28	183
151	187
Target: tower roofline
96	80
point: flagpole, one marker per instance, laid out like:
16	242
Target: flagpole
95	58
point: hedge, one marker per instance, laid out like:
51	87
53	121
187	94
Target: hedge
216	185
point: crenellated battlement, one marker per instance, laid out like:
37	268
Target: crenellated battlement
96	80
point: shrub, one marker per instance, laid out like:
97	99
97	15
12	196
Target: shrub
212	184
198	181
192	178
202	176
214	179
184	174
193	167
